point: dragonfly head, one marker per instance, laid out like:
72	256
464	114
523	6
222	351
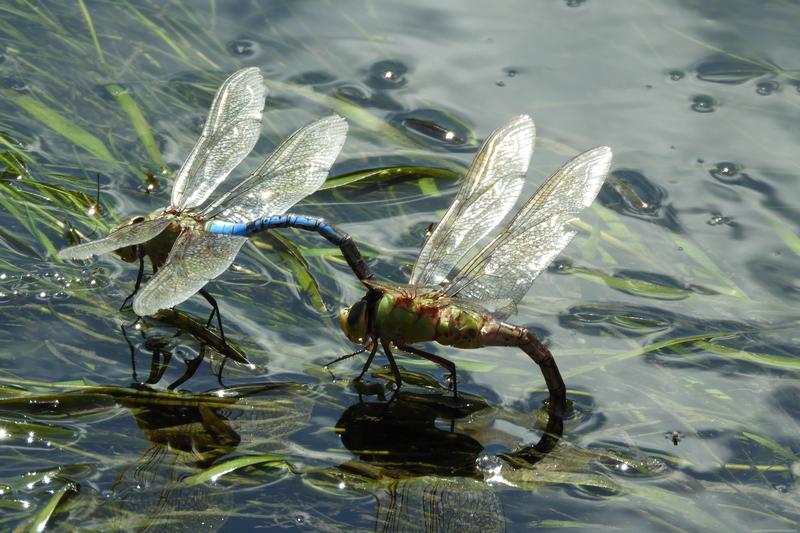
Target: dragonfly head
353	321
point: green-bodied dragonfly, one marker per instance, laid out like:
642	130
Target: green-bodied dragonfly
460	299
189	245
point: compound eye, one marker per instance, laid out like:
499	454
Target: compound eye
355	312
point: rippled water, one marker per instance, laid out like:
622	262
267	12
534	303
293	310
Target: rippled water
672	314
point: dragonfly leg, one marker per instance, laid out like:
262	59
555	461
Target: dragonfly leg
441	361
219	373
158	365
369	361
348	356
133	353
191	367
387	349
214	311
139	277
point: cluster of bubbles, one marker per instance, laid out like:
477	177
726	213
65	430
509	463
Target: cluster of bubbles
510	73
48	285
726	71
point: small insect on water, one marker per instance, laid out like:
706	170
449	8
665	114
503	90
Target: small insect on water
189	245
467	309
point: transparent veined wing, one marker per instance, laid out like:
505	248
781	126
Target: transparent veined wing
229	134
489	190
297	168
196	258
119	238
502	272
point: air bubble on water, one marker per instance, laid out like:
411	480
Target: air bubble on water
301	518
511	72
243	47
491	467
3	276
92	211
575	3
42	295
702	103
387	74
766	88
725	170
717	220
676	75
500	83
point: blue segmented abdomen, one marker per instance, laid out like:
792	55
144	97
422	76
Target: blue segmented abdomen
245	229
226	228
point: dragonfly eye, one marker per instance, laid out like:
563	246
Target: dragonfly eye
355	313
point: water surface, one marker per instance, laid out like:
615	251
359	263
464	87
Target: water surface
672	314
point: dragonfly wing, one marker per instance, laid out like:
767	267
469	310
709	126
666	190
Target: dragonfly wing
196	258
229	134
297	168
489	190
506	267
119	238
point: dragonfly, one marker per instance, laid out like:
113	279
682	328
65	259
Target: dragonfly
190	244
461	299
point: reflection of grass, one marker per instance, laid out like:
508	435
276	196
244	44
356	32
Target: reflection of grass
79	100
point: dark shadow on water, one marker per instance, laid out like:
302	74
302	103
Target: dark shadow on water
429	466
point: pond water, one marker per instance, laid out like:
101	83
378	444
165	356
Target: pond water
673	314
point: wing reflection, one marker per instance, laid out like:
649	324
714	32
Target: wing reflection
415	444
189	433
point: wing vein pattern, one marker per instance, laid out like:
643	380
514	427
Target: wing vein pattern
229	134
196	258
503	271
119	238
297	168
489	190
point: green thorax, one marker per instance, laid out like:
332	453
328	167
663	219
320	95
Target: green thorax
408	318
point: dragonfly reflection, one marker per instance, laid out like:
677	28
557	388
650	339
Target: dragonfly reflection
189	245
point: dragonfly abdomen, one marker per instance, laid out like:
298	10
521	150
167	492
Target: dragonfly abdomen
460	328
246	229
331	234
